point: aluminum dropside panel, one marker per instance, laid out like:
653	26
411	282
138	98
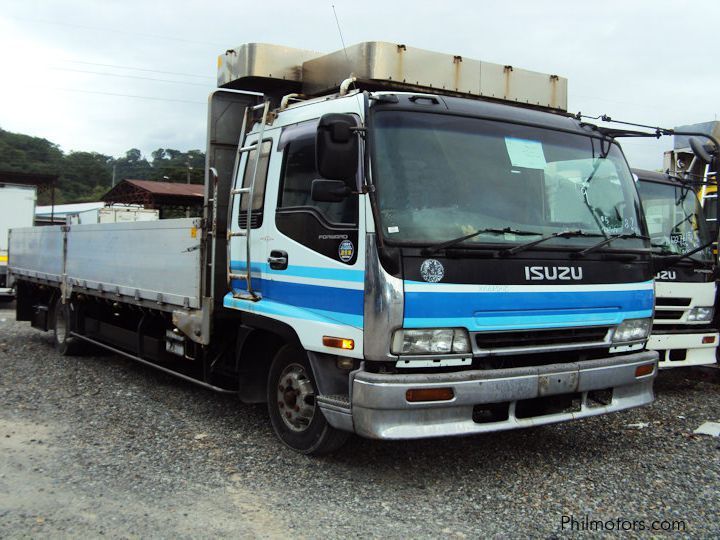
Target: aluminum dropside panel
37	252
158	261
387	64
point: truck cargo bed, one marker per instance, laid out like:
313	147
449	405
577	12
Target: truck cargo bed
157	261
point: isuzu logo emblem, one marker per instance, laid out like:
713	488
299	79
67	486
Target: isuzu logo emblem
432	270
553	273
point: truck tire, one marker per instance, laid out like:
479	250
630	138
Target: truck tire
65	344
296	419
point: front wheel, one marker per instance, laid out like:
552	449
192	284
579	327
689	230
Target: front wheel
294	414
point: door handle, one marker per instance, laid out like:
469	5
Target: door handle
278	260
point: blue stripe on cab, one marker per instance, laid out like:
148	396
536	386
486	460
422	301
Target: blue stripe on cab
514	310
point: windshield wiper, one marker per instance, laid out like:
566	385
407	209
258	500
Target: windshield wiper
674	259
507	230
564	234
608	240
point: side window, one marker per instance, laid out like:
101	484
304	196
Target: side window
328	228
298	174
259	192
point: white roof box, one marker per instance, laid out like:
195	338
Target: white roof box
379	65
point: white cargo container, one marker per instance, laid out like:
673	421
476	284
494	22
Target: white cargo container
17	209
114	214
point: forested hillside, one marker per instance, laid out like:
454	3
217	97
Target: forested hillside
86	176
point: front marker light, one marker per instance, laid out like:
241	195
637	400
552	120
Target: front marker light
697	314
431	341
632	330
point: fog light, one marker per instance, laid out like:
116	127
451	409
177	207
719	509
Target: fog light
343	362
429	394
645	369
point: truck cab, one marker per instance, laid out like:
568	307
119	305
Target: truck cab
685	287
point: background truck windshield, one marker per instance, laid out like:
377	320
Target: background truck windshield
440	177
674	218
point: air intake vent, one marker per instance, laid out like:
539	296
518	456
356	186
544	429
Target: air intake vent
255	220
541	338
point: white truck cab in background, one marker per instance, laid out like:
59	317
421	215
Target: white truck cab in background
17	209
685	287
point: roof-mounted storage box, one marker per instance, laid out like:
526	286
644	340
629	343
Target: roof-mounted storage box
261	67
387	65
378	65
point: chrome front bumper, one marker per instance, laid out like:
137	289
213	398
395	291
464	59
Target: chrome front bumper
378	407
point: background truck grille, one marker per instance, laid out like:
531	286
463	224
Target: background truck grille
541	338
669	314
660	301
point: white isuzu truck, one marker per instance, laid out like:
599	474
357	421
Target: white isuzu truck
396	243
17	209
685	287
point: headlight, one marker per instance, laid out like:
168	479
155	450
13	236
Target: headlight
632	330
431	341
700	314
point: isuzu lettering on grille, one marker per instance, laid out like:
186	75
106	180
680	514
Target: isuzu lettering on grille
553	273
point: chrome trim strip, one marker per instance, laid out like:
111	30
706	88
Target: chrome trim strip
384	306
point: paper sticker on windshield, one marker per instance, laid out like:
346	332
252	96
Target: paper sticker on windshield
525	153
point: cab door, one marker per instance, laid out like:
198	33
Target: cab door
316	253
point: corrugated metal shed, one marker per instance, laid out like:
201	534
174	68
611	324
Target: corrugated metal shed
158	195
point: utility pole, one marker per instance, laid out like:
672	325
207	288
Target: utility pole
189	168
113	178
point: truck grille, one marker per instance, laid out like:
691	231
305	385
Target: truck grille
660	301
669	314
541	338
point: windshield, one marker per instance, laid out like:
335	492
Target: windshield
440	177
674	218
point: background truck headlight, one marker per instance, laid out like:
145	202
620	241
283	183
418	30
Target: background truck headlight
431	341
701	314
632	330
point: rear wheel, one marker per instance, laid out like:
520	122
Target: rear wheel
65	344
294	414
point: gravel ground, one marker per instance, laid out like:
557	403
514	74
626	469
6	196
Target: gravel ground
99	445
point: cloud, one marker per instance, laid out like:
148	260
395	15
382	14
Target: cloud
632	60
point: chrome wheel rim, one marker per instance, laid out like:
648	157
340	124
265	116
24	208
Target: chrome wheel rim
295	398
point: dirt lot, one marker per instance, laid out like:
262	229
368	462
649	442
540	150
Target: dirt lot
98	445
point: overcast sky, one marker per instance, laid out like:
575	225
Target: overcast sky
69	67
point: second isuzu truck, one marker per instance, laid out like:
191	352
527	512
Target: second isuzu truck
685	287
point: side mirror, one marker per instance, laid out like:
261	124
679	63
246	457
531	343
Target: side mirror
329	190
337	147
700	150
